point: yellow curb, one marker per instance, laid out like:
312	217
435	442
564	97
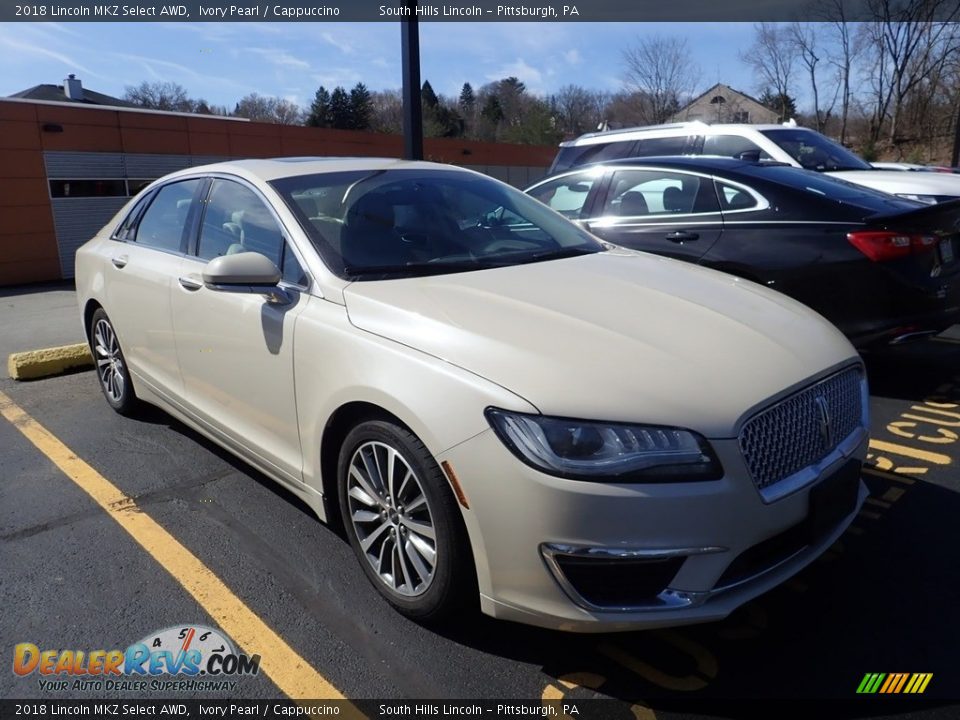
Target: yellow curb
35	364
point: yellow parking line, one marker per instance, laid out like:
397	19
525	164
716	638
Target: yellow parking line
281	663
915	453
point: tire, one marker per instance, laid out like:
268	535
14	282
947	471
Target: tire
426	578
111	366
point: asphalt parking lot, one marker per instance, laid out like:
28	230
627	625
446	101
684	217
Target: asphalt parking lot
75	478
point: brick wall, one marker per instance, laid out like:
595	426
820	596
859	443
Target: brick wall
28	243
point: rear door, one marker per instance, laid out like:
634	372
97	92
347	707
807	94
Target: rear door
659	210
141	267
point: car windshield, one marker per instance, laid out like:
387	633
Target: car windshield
815	151
380	224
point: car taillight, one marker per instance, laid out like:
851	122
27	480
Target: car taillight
880	245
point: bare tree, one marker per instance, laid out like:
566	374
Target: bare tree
387	115
578	109
659	74
910	43
803	38
263	108
160	96
772	58
834	13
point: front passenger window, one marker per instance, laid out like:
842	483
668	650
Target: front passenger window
237	220
566	195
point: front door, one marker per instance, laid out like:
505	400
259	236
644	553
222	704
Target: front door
235	350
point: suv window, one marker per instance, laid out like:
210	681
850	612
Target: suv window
237	220
649	147
731	146
163	225
568	194
570	157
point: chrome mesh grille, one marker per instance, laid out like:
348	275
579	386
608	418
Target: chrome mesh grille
789	436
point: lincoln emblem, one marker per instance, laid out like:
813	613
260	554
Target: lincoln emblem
826	431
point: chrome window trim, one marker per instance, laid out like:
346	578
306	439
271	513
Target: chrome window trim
762	202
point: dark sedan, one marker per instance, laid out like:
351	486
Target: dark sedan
882	269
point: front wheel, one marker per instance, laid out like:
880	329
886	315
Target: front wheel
403	522
111	366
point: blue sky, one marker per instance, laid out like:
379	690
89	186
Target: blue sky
222	62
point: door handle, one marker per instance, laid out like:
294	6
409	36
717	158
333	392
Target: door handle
189	283
681	236
120	261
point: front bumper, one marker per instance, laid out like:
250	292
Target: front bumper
521	520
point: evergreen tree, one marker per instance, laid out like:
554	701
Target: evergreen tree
320	109
782	104
492	110
428	96
467	99
341	116
361	107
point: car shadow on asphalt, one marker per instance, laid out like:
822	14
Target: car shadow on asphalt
914	371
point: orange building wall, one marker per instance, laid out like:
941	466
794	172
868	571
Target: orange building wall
28	246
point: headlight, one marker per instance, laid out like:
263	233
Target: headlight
926	199
597	451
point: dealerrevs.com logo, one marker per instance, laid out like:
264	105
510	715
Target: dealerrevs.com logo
183	658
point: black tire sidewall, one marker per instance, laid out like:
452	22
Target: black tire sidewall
453	568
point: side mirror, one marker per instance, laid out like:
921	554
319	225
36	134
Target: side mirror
245	272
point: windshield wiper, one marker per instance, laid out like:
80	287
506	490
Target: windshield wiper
355	272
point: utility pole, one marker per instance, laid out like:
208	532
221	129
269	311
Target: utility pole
412	110
955	155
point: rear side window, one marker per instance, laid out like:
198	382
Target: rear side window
734	198
164	224
128	227
636	193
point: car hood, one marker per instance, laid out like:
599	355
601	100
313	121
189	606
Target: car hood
617	335
904	182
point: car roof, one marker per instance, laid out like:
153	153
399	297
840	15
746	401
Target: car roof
712	162
273	168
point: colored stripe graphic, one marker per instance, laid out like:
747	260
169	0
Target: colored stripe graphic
894	683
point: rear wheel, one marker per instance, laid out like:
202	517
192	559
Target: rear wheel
111	365
403	522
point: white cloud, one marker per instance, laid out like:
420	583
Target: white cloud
572	56
338	77
340	45
520	70
28	48
281	58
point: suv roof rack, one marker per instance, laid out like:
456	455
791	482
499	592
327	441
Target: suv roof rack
666	126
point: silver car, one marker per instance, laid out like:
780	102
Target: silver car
499	407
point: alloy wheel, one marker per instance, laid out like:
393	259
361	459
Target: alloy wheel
392	519
110	367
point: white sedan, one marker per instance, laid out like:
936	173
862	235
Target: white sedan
499	408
